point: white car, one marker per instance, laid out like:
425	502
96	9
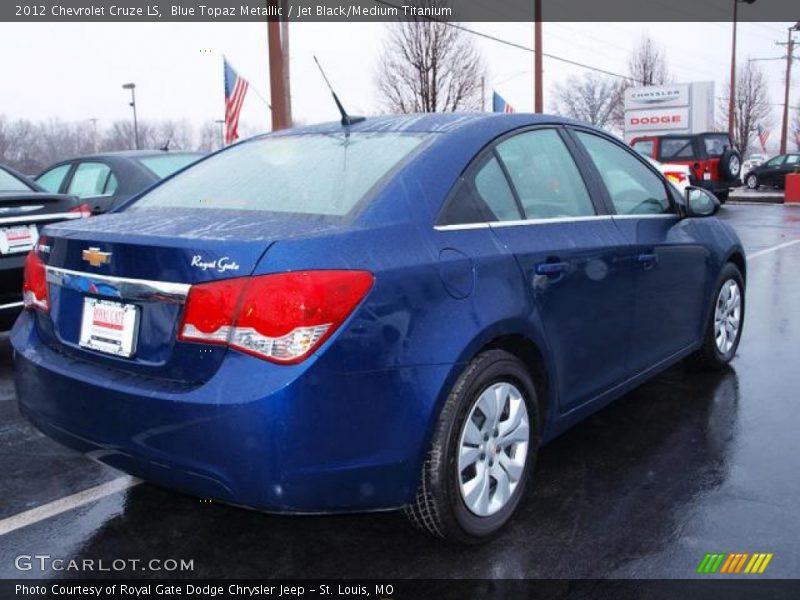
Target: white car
677	175
752	161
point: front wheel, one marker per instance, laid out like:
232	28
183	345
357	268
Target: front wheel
724	329
752	182
484	446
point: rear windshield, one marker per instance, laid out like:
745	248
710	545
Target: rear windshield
676	148
312	174
168	163
715	145
9	183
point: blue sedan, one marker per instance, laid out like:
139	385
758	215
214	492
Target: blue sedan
392	314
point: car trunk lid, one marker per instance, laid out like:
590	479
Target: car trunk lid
143	263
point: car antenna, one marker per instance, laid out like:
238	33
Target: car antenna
347	120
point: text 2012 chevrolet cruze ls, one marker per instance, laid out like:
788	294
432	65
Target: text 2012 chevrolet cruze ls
396	313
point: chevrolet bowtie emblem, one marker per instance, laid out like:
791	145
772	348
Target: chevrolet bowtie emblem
96	258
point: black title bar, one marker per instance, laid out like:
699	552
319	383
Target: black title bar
390	10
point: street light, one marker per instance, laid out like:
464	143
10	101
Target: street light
732	100
221	123
132	88
789	59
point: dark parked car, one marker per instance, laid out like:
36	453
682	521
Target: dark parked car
104	181
715	163
773	172
24	208
396	313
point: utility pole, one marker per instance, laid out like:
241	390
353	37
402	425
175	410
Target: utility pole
789	60
538	83
732	99
278	45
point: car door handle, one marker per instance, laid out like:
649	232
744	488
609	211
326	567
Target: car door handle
648	260
551	268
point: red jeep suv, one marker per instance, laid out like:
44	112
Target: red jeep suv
715	163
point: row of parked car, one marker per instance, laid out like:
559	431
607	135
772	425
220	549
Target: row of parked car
70	189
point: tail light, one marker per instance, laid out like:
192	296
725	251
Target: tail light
84	209
34	286
281	318
675	176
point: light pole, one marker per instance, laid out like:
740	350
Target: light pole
789	59
132	88
221	123
732	100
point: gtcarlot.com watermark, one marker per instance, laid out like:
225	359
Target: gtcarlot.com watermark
46	562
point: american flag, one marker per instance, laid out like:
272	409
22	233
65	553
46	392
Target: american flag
235	90
763	135
500	105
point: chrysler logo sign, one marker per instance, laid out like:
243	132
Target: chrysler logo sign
656	96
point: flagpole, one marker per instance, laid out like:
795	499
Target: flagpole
251	86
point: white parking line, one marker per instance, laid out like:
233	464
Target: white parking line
772	249
62	505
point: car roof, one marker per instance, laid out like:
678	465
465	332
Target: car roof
430	123
137	154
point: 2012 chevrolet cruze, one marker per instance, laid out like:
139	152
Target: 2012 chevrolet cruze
396	313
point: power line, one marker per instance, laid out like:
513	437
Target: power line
518	46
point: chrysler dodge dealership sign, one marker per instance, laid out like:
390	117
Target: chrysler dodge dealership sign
679	108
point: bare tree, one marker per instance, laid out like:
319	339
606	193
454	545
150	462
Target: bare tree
751	105
590	98
647	63
429	66
796	129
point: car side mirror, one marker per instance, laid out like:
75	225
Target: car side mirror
700	202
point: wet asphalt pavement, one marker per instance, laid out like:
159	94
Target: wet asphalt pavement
687	464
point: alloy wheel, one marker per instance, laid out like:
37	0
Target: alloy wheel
727	316
493	448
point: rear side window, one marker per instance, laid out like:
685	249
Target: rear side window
492	187
715	145
161	166
310	174
676	148
545	176
51	180
91	179
634	189
9	183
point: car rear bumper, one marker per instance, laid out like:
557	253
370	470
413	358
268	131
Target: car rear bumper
306	440
716	186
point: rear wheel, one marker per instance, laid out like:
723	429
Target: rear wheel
723	196
724	329
484	446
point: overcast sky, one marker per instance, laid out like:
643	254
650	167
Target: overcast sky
74	71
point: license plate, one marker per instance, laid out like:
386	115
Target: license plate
707	176
109	327
18	239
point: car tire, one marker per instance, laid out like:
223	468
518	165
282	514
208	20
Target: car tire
723	196
444	506
751	181
718	349
730	165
